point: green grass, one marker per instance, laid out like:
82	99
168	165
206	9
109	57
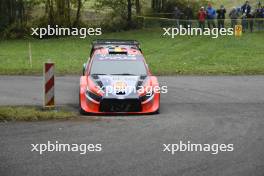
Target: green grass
8	113
165	56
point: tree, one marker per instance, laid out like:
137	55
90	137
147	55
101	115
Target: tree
129	13
120	8
138	7
50	12
12	11
78	13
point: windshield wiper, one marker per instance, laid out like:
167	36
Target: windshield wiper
125	74
98	74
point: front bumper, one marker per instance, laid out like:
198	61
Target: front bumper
119	106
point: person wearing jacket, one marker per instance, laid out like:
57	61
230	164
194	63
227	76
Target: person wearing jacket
259	15
234	14
177	15
246	8
202	18
188	13
221	17
244	22
211	13
250	19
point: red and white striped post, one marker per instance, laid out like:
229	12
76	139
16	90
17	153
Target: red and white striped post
49	89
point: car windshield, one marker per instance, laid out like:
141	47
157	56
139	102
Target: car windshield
118	67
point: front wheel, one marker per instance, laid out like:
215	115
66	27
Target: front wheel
81	111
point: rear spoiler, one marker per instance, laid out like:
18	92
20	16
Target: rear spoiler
102	42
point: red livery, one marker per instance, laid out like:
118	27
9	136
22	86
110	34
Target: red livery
116	80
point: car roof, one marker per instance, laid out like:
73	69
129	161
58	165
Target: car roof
105	46
116	50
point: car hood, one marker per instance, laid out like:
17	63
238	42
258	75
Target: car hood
119	86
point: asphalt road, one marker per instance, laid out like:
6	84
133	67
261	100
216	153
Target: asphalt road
202	110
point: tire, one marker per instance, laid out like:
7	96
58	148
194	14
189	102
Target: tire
81	111
157	112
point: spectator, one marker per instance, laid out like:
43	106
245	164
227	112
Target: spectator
188	15
201	18
210	16
221	17
177	15
246	8
244	22
259	14
234	14
250	19
262	11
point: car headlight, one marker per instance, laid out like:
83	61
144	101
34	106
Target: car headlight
147	97
92	96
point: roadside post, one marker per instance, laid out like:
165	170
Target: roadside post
49	85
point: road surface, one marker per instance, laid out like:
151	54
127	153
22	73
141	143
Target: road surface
202	110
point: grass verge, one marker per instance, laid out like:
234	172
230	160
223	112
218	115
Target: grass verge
183	55
8	113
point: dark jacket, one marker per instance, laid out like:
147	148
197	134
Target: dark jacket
221	13
259	13
234	14
177	13
246	9
188	13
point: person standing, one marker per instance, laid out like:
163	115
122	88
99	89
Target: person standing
211	13
188	16
250	19
177	15
245	10
262	19
234	16
221	17
202	18
259	16
244	22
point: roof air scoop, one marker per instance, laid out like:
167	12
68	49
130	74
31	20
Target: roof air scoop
117	51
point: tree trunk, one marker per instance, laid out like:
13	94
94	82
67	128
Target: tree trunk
138	7
78	13
68	12
50	12
21	11
129	13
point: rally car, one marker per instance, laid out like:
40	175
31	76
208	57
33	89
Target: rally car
117	80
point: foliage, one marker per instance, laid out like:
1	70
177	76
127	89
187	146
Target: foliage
162	6
15	14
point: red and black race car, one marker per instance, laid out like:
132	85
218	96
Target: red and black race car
116	80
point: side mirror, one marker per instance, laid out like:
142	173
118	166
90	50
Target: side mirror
84	68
